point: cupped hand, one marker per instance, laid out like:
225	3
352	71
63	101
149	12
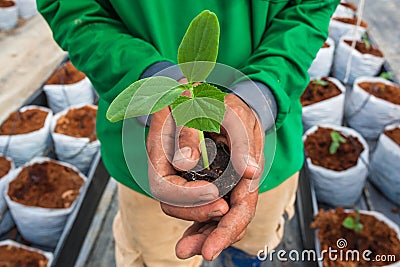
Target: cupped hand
183	197
244	135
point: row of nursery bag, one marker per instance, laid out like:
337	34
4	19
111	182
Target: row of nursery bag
39	196
11	9
68	87
31	131
338	163
344	28
351	58
371	105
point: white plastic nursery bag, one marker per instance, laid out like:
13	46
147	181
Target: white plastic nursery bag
339	188
368	114
10	242
62	96
8	17
338	29
42	226
361	64
76	151
321	66
327	111
6	221
27	8
385	166
24	147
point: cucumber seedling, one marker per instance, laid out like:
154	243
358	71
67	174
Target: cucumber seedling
204	109
353	223
320	82
336	140
367	43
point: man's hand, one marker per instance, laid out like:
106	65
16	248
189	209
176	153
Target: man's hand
242	132
167	186
245	137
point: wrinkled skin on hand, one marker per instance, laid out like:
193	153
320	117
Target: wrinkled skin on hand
216	225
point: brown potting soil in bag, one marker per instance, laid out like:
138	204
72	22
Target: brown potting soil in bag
46	185
394	134
78	122
383	91
67	74
375	236
352	21
12	256
23	122
317	149
5	166
362	48
315	92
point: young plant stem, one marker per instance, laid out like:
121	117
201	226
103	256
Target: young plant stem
204	150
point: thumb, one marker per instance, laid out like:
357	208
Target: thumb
187	149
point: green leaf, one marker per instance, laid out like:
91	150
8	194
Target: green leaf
321	82
204	112
210	91
386	75
349	223
366	42
199	47
358	227
144	97
336	140
333	148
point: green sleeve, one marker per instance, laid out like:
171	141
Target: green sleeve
98	43
287	49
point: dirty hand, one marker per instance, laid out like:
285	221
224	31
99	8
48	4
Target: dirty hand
183	197
244	135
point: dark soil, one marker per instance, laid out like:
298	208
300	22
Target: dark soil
362	48
326	45
375	236
11	256
317	149
393	134
348	5
315	92
78	122
46	185
352	21
220	167
5	166
4	4
23	122
67	74
386	92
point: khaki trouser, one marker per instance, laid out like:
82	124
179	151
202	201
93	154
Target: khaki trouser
145	236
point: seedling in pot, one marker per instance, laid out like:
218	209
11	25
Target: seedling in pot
321	82
336	140
204	109
353	223
366	41
387	75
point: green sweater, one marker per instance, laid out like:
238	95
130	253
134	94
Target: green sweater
272	41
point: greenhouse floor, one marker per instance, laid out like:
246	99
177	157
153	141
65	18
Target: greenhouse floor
98	249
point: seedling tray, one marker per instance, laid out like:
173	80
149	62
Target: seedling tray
78	223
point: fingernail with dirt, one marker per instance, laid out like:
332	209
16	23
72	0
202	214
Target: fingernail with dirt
183	154
216	213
